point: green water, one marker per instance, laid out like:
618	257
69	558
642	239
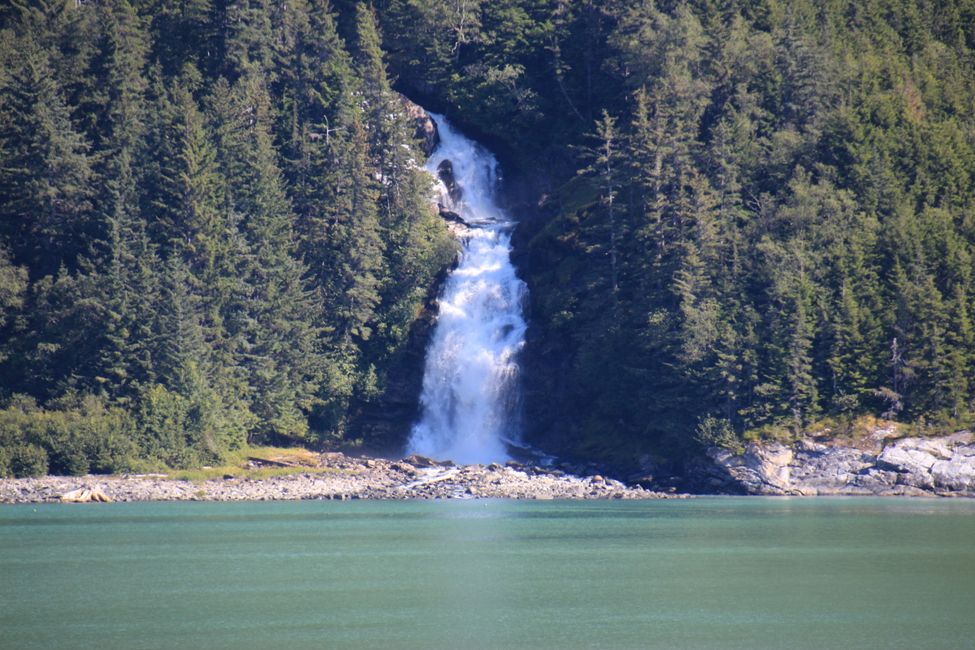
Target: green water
706	573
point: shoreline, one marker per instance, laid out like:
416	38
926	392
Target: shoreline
337	477
879	464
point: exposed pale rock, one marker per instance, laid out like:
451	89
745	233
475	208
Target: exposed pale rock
85	495
957	473
875	465
762	469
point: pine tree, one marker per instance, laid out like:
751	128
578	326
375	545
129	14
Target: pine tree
250	39
45	178
849	351
605	162
352	278
128	286
196	408
378	106
961	344
318	96
281	355
185	31
179	340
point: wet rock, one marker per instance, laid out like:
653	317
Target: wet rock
416	460
450	216
445	170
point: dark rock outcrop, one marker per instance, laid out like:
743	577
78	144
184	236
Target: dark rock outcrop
426	129
445	170
450	216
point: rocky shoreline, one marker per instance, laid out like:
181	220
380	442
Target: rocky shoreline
879	464
338	477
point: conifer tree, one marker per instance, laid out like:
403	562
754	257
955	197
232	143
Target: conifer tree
45	179
128	286
605	162
281	355
185	31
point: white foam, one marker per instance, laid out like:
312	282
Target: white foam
470	383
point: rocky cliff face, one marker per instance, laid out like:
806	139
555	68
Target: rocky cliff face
877	465
426	132
383	423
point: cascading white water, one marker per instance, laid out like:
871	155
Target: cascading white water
469	399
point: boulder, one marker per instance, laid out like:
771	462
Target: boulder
762	469
416	460
445	171
451	216
828	470
876	481
912	459
876	464
956	474
85	495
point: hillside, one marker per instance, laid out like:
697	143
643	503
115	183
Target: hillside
738	220
214	230
752	219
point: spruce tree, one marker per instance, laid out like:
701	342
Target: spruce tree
45	179
281	353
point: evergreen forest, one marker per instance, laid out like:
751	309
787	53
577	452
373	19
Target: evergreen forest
737	219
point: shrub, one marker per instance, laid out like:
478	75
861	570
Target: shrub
28	460
79	435
717	432
69	459
163	421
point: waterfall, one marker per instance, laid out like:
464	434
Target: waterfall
470	382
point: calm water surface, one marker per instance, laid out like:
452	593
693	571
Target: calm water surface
705	573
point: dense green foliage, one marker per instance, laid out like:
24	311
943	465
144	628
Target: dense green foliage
753	215
213	229
773	219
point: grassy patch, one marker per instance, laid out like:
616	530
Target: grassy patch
944	426
850	429
770	433
246	463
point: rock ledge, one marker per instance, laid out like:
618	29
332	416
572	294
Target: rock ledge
876	465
